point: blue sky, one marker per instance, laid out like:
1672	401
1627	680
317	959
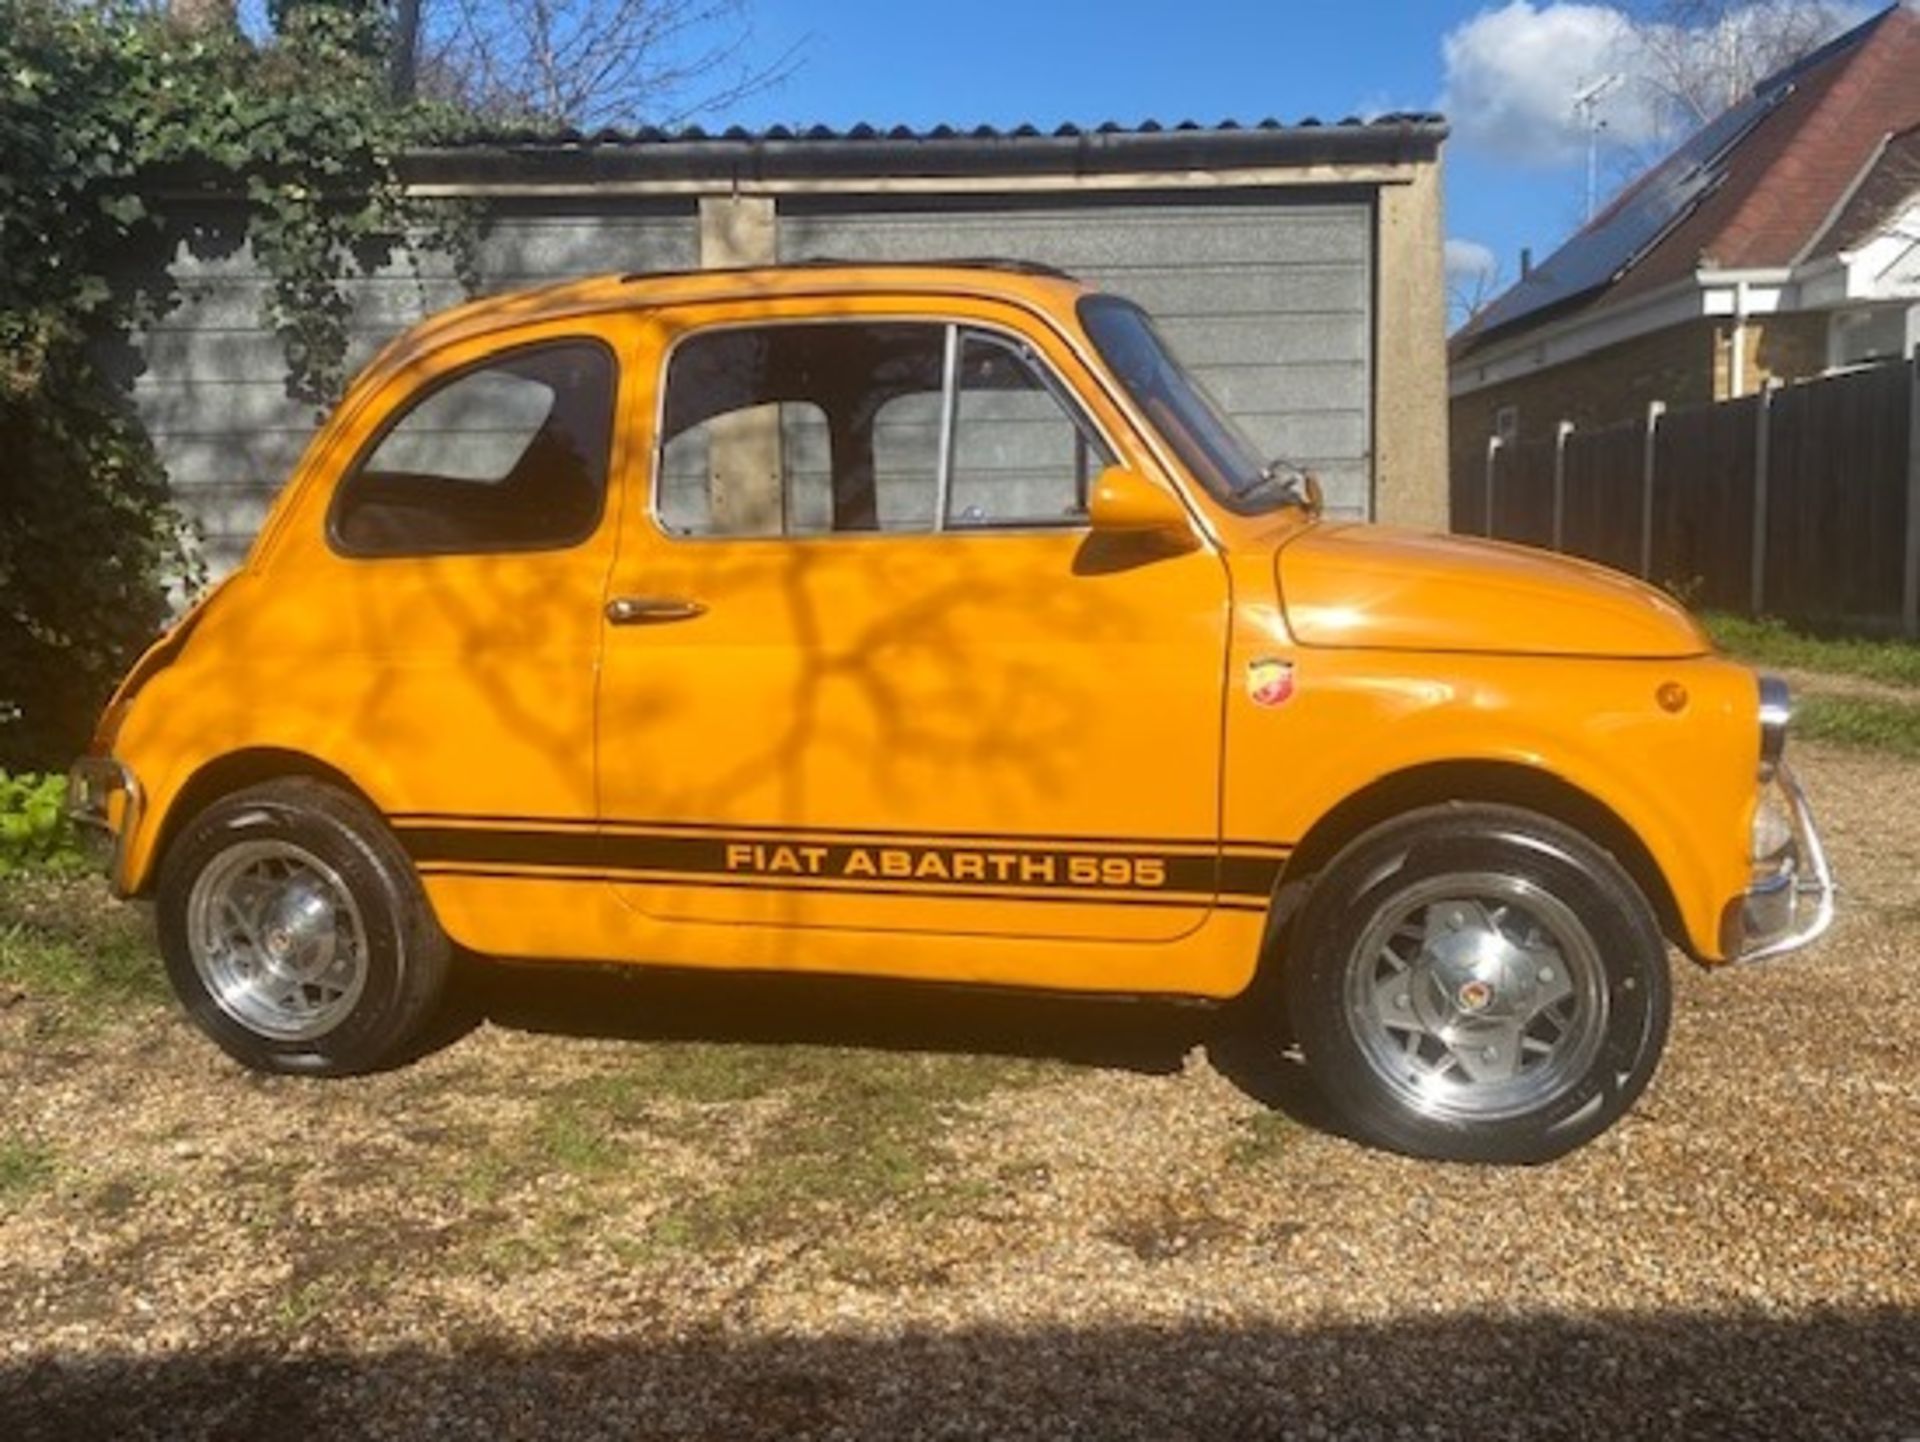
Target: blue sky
1006	62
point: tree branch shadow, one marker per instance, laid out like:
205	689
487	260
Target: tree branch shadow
1830	1373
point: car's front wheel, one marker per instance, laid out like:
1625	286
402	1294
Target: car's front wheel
1479	983
295	931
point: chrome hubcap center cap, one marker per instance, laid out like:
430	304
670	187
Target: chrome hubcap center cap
1473	972
301	932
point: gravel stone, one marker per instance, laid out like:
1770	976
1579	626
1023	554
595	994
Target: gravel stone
1152	1235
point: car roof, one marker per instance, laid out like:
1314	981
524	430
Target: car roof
1021	282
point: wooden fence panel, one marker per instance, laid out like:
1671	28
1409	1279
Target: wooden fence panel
1601	515
1842	461
1837	497
1703	503
1523	493
1467	490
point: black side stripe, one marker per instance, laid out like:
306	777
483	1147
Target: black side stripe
1085	896
943	867
743	831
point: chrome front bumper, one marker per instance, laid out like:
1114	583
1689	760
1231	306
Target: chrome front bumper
1790	904
104	801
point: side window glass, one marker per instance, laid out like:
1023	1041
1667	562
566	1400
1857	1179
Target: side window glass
805	429
1020	457
762	470
510	456
798	430
906	459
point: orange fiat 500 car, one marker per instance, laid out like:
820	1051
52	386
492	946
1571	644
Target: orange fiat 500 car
932	622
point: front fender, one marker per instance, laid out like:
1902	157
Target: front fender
1682	780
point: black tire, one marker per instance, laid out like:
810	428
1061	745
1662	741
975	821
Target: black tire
1393	985
388	958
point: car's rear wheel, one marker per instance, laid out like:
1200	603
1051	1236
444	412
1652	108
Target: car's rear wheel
295	932
1479	983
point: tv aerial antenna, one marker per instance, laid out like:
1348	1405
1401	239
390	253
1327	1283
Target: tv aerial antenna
1586	104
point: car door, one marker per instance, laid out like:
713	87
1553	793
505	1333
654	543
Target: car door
449	624
867	667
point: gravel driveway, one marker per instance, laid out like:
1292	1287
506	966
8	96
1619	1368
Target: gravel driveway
624	1207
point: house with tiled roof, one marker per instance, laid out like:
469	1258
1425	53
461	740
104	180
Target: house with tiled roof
1780	242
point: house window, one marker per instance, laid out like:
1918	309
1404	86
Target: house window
1874	333
1506	425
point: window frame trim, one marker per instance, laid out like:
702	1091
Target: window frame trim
432	385
953	336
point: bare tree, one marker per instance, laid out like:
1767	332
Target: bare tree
583	62
1687	61
1471	291
1697	57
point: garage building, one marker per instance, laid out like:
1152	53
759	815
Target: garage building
1296	267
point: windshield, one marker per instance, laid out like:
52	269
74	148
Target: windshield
1206	438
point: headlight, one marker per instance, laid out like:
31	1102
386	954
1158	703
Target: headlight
1776	710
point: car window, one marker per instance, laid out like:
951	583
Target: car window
1020	457
802	429
717	477
507	456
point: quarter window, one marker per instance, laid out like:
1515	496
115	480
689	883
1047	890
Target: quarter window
509	456
899	426
1020	457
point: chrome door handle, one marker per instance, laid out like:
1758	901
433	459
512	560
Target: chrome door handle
640	610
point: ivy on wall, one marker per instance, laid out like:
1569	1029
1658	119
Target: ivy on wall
117	127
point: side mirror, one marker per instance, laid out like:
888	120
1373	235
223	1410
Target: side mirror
1125	500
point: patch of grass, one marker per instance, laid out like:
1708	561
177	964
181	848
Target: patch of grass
1867	722
695	1072
304	1303
1263	1137
25	1168
577	1129
487	1176
68	943
553	1237
1775	643
862	1130
571	1139
833	1132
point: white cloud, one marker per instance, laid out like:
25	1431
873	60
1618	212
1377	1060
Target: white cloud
1469	260
1512	74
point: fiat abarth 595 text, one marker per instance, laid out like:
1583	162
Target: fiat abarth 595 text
931	622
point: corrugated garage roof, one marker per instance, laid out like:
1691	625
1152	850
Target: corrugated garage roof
654	135
545	156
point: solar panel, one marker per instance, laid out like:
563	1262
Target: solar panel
1607	246
1626	230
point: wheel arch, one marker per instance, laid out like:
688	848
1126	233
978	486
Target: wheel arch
226	774
1438	783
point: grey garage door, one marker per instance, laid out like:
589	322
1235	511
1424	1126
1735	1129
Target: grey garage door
1267	299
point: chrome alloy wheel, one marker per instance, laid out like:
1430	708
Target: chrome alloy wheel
1477	996
277	940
